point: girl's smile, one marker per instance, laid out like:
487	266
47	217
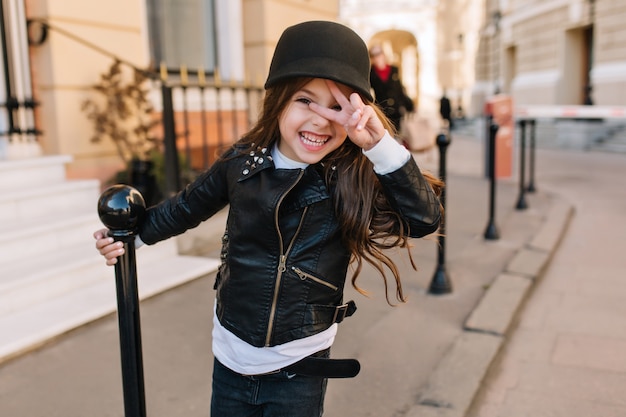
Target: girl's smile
313	141
305	135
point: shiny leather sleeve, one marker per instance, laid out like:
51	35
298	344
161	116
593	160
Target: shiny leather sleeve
198	201
413	198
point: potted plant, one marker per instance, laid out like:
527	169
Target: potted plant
122	113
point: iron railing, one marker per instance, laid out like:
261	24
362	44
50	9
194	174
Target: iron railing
19	118
199	121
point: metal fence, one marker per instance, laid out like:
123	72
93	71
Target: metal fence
199	121
18	120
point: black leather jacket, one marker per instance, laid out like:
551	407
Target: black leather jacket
283	260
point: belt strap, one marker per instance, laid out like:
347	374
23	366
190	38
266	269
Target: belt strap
343	311
319	365
324	367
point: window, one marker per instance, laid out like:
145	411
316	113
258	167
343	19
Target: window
182	32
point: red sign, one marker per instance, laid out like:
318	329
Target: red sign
500	107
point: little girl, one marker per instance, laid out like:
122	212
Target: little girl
317	184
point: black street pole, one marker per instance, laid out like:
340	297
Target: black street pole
170	153
121	208
521	200
440	284
531	184
491	232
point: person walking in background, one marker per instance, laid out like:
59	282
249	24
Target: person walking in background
445	110
317	184
389	92
588	100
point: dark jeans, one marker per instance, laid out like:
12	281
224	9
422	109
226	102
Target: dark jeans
274	395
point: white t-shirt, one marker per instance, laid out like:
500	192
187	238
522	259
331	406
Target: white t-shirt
387	156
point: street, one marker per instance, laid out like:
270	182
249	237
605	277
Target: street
566	358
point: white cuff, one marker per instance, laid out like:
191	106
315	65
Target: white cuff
387	155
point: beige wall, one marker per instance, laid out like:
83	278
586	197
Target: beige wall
487	59
265	20
609	70
458	27
611	31
539	47
63	69
537	40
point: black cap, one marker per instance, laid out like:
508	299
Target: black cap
322	49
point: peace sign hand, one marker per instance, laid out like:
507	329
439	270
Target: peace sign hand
362	124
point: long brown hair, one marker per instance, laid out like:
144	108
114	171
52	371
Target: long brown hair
368	223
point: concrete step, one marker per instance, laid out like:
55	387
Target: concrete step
50	200
30	327
46	235
611	147
469	127
614	141
33	279
43	238
580	135
32	172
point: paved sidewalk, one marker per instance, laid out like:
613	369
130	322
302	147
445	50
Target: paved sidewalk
424	358
567	355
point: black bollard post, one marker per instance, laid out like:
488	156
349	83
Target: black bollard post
121	208
491	232
521	199
531	184
440	284
170	154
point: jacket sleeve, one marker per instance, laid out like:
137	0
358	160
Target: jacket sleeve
198	201
410	194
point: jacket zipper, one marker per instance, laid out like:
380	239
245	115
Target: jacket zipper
283	258
303	276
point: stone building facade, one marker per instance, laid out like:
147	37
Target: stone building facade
553	52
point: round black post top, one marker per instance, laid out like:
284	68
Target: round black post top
443	140
121	209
